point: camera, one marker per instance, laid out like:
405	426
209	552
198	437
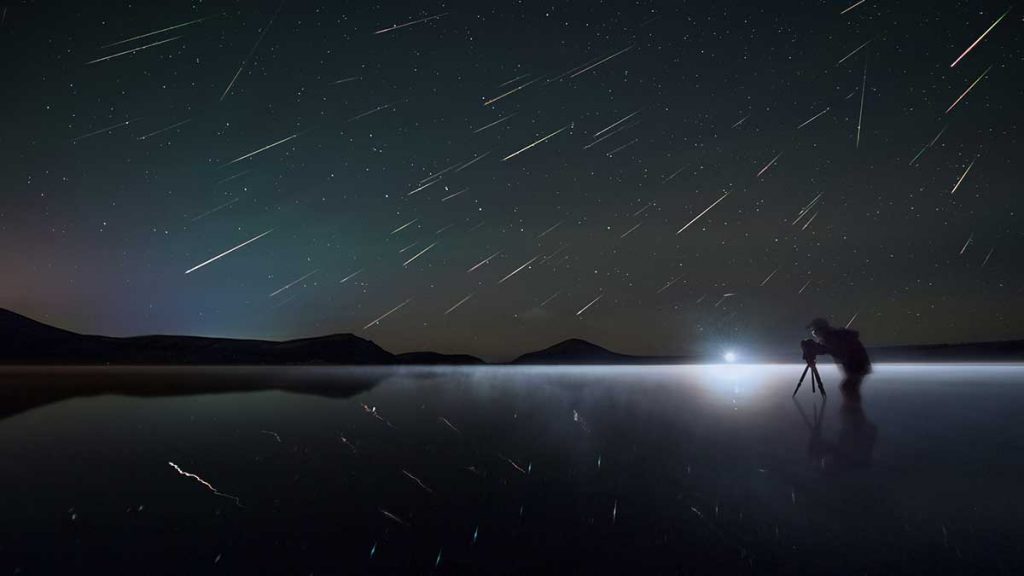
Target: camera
807	347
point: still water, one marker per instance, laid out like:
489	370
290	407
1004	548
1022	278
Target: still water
639	470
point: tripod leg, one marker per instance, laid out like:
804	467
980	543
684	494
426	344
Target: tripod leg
801	381
821	385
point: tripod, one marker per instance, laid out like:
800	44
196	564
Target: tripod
815	377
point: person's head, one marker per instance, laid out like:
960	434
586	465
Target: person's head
818	327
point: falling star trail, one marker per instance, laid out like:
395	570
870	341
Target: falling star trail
226	252
980	38
252	51
133	50
525	148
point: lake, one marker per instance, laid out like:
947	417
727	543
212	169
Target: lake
628	470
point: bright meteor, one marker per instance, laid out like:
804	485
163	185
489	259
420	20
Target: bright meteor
225	253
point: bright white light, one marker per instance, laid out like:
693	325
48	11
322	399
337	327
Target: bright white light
729	356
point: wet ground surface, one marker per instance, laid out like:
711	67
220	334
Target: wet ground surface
681	470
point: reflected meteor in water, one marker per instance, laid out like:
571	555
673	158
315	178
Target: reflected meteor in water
206	484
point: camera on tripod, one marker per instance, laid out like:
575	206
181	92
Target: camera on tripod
808	348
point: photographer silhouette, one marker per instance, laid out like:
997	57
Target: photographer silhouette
845	347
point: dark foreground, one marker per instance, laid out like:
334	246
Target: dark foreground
681	470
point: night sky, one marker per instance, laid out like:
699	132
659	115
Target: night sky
836	188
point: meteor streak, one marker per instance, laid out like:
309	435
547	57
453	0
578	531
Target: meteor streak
768	165
510	92
765	281
854	317
591	303
813	118
368	112
495	123
171	127
521	150
514	465
450	196
404	226
951	106
102	130
737	125
706	210
386	314
206	484
966	244
517	78
852	6
169	28
457	304
211	211
267	147
516	271
626	233
620	148
418	254
614	124
855	50
484	261
610	134
808	223
393	517
544	233
962	176
667	284
422	187
350	276
598	63
980	38
292	283
863	85
421	20
473	161
927	146
225	253
251	52
445	421
133	50
418	481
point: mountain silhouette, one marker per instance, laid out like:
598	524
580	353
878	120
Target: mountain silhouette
26	341
577	351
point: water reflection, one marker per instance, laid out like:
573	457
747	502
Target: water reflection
853	446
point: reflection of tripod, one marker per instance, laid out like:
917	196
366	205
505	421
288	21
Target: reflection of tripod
815	377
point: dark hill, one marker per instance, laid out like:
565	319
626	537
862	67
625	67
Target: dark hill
25	341
576	351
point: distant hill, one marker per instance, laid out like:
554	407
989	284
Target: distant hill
576	351
26	341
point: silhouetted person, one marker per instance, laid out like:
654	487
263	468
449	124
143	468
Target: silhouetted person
844	345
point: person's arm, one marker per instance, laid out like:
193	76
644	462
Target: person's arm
813	348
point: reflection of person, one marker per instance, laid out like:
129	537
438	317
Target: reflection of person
845	347
854	445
